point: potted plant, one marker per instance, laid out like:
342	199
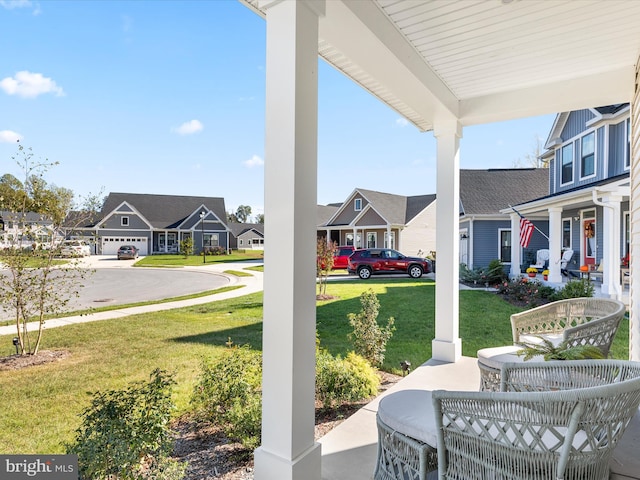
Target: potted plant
545	274
549	351
532	272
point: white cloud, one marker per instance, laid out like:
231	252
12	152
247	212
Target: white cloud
402	122
29	85
189	128
7	136
11	4
254	161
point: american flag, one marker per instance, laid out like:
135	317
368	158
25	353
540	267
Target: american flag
526	230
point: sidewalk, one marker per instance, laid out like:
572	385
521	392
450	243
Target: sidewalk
248	285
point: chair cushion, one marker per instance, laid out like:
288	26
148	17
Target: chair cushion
494	357
554	338
410	412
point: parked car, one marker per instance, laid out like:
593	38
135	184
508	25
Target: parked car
127	252
370	261
74	248
341	257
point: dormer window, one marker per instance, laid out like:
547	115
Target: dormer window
357	204
587	157
566	174
124	221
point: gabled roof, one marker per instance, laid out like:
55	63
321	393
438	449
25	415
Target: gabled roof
395	209
238	229
325	212
486	192
165	211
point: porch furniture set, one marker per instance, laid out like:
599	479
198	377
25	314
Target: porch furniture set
543	420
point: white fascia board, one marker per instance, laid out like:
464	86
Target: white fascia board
607	88
342	207
363	33
609	118
365	210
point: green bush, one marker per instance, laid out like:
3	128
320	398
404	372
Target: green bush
344	380
575	289
523	291
495	272
126	434
186	247
369	339
228	394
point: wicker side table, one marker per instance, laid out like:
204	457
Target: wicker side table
406	437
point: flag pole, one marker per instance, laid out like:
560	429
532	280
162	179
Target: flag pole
534	225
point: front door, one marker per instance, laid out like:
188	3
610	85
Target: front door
589	241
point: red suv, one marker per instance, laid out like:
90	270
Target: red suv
384	260
341	257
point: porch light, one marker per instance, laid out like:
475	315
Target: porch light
16	342
406	367
204	254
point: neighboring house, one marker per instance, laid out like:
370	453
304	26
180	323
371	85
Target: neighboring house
586	208
246	236
369	219
485	231
26	229
158	223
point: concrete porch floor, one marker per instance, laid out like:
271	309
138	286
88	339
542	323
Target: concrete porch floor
349	450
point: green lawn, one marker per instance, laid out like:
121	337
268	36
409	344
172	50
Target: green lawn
40	405
196	260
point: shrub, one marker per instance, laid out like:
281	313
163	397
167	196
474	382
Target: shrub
344	380
575	289
369	339
126	434
186	247
228	394
523	291
495	272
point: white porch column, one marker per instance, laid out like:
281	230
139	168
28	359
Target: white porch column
555	244
611	246
447	345
515	246
288	450
634	241
355	238
388	245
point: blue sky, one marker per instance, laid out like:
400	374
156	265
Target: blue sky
167	97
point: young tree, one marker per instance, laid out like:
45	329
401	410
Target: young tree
324	262
260	218
32	285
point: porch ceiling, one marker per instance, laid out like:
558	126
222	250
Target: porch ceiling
483	60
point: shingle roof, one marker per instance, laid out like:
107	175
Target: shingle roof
417	204
325	212
238	229
165	211
489	191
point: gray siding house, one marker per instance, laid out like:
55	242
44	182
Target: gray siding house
246	236
158	223
485	230
370	219
587	206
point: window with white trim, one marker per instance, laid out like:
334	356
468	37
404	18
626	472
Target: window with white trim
566	173
566	233
588	155
391	244
372	239
211	240
504	248
124	221
357	204
627	155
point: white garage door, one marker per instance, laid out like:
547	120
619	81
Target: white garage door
110	245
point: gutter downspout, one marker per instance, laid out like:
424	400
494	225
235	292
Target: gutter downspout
616	284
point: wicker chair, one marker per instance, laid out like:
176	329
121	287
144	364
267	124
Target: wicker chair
577	321
552	420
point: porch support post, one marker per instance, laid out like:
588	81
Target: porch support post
555	244
355	238
611	246
516	259
388	245
447	345
634	241
288	450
